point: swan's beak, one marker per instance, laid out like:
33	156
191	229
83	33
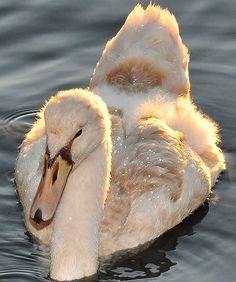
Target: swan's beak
50	189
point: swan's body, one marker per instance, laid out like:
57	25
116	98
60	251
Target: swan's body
165	157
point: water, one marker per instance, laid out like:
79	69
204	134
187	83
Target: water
50	45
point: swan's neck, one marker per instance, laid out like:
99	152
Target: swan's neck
74	246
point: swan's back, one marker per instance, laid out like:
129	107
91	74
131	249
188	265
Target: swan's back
146	53
143	72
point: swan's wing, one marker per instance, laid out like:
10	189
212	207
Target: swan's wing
146	53
157	182
154	155
28	173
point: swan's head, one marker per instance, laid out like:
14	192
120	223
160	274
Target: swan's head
76	123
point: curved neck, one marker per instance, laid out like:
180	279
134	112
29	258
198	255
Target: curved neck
74	246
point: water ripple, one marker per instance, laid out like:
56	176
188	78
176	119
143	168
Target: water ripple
17	123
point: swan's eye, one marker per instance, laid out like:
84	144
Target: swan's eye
78	133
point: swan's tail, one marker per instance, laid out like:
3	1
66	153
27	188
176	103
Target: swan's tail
147	52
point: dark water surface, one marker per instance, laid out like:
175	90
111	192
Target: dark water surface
47	46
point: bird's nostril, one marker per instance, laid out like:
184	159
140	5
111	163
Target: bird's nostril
38	216
54	177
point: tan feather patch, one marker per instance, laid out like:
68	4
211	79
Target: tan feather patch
135	75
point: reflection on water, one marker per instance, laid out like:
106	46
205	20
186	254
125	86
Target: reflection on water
50	45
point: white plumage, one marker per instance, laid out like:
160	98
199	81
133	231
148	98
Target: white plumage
164	161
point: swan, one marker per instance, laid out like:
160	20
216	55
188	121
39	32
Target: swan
113	167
